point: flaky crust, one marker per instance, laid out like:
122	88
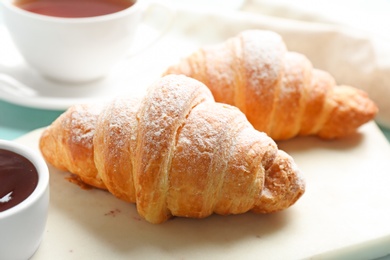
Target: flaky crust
279	91
174	152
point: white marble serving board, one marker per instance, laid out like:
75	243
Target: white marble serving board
344	214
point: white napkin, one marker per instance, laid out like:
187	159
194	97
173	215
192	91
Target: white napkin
350	39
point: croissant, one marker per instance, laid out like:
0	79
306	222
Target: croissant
279	91
174	152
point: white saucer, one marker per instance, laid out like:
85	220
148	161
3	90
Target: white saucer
131	75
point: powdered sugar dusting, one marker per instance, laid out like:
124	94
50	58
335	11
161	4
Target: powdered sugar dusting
165	109
82	124
263	57
123	122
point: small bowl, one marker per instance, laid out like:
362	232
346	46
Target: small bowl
22	226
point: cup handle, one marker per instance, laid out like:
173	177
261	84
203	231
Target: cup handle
164	20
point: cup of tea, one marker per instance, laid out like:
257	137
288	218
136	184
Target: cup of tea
77	41
24	200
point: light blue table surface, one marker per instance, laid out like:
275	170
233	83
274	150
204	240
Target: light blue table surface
16	121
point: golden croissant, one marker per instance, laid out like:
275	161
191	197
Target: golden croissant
174	152
279	91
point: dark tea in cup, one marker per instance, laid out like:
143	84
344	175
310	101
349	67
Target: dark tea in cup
74	8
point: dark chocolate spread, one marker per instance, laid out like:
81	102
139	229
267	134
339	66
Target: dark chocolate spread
18	179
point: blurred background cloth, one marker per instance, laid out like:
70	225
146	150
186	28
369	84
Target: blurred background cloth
370	16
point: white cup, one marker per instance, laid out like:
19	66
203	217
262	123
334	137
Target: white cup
77	50
22	226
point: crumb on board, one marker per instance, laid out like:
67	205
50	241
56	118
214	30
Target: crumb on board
113	213
75	179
